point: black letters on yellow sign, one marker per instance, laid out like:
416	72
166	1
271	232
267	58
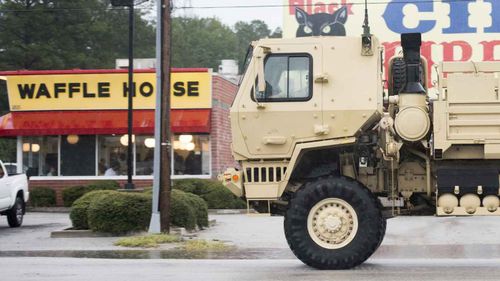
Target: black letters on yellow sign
31	91
146	89
191	88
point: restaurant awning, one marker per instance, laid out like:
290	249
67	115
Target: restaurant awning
95	122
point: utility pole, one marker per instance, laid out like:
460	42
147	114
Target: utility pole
165	154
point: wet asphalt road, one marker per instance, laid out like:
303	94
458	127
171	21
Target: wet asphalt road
415	248
59	269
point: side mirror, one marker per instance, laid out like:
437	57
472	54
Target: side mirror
259	56
261	80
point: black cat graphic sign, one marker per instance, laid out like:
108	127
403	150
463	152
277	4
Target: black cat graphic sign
324	24
316	18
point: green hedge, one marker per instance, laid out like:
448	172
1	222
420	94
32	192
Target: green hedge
42	197
213	192
71	194
200	209
119	212
78	214
182	212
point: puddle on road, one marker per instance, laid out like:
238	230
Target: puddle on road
384	252
158	254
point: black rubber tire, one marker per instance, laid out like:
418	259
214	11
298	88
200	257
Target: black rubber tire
12	215
398	73
371	223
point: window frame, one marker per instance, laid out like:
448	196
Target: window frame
59	177
288	55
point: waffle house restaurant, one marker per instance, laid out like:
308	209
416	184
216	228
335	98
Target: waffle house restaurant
71	125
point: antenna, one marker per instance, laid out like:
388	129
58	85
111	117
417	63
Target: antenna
366	38
366	25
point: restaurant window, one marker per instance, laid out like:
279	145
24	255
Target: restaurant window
31	154
191	155
144	155
112	155
40	155
78	155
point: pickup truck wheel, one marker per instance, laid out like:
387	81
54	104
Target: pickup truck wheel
16	214
334	223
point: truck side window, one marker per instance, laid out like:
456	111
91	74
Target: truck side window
287	78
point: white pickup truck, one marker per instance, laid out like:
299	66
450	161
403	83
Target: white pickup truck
13	196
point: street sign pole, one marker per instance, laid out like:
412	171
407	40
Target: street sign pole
160	218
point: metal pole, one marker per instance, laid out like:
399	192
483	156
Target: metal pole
131	94
165	184
154	225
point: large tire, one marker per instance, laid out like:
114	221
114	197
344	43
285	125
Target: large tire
398	73
338	209
16	214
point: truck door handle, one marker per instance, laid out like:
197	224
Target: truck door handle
278	140
321	130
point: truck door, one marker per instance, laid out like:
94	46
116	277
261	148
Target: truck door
289	109
4	189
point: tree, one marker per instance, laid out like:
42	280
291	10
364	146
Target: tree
201	42
67	34
204	42
248	32
277	33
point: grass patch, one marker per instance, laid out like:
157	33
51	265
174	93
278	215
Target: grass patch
148	241
204	245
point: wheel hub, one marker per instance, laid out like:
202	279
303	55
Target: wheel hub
332	223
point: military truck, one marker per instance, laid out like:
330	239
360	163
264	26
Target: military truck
323	139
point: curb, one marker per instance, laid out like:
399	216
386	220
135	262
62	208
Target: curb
86	233
230	211
73	233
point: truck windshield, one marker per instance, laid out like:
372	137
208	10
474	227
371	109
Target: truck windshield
246	61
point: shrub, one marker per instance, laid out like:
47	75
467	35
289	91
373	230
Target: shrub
119	212
78	214
187	209
71	194
43	197
182	212
200	209
213	192
104	185
222	198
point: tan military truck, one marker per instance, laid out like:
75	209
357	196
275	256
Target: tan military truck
319	141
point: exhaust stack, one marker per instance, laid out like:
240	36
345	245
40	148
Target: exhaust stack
411	43
412	120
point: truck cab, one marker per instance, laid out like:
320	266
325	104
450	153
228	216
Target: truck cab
13	196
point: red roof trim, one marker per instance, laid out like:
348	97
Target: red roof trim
94	71
99	122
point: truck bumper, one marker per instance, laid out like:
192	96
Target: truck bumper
232	180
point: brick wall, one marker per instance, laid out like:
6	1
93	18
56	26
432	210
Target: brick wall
223	93
59	185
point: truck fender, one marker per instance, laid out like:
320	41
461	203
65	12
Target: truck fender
299	150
